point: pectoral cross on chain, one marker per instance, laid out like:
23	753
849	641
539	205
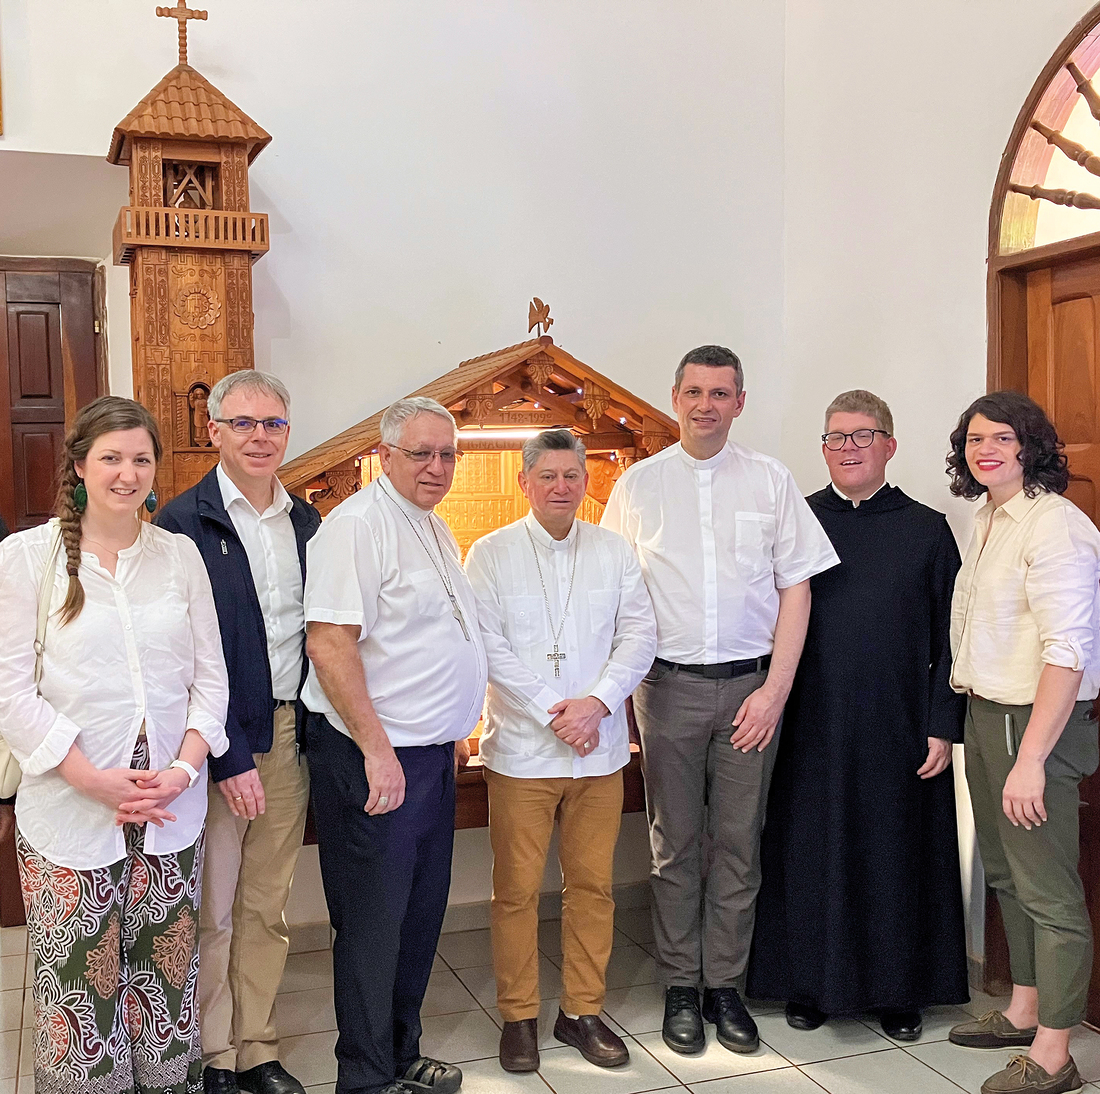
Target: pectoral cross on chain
557	658
456	611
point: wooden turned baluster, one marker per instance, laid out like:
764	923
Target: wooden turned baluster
1071	198
1076	152
1085	89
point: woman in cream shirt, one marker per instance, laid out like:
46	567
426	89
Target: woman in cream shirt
113	744
1024	641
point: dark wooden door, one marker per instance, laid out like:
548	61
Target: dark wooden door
1063	376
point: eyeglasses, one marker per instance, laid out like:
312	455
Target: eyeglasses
426	455
861	438
274	426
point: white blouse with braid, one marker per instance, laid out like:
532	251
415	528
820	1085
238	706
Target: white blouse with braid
145	648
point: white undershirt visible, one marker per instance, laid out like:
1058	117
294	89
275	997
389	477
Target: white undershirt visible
855	504
269	543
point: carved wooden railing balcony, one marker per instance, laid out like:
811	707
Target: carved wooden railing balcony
209	229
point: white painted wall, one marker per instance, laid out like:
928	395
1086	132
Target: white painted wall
806	181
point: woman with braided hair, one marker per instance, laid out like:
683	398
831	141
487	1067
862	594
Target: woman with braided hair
112	742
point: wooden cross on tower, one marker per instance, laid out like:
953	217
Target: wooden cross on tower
181	13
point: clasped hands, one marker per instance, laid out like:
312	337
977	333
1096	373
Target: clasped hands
578	722
136	796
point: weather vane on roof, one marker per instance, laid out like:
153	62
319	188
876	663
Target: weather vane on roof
538	315
181	13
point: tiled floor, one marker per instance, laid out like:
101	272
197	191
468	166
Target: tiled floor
461	1024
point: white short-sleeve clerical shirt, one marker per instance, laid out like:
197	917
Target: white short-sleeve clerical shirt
378	562
717	539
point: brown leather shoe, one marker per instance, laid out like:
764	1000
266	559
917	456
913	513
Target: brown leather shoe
1024	1076
590	1036
992	1030
519	1045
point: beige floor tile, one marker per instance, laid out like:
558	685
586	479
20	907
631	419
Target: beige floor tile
306	937
630	966
787	1081
550	937
980	1003
446	994
639	1009
28	1008
7	1086
936	1023
456	1038
714	1062
466	949
1084	1047
438	964
26	1058
12	971
322	1088
636	924
568	1072
24	1084
482	983
299	1012
835	1038
13	940
487	1077
967	1067
305	971
11	1009
889	1072
9	1054
310	1058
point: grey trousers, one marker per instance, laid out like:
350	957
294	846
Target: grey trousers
1035	873
705	801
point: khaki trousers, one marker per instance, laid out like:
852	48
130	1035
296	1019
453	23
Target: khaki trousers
243	936
521	822
1035	873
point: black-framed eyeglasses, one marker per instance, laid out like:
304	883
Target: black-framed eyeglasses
861	438
275	426
425	455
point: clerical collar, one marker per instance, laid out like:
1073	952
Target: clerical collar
544	539
705	465
855	504
414	511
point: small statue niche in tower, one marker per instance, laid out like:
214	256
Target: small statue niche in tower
197	399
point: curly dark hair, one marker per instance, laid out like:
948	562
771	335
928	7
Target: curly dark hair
1041	452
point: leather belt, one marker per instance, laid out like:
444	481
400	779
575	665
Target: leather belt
725	671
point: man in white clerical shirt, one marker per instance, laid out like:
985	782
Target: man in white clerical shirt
569	631
728	546
397	677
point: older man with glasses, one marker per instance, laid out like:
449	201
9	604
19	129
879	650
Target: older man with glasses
397	677
861	906
252	535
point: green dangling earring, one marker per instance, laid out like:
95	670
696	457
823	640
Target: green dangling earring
151	502
80	497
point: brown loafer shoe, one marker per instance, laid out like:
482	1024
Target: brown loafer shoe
590	1036
519	1045
992	1030
1024	1076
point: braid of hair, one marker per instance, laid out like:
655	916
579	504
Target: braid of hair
70	521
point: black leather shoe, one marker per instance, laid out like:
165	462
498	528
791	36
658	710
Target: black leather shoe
902	1025
733	1024
269	1078
219	1080
590	1036
427	1076
683	1026
803	1016
519	1045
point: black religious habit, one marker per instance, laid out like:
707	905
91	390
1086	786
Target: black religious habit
860	906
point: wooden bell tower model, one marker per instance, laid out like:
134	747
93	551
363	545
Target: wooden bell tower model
190	240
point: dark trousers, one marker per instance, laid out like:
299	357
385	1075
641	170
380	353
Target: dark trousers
386	880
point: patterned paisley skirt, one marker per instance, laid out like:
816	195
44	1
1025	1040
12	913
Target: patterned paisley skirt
116	967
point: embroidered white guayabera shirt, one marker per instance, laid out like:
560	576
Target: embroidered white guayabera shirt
368	566
1027	596
608	637
716	540
268	541
146	648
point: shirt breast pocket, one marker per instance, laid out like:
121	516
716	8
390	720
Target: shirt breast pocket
603	604
524	619
754	543
431	599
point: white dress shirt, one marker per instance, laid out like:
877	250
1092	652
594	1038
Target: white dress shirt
855	504
1027	596
269	542
369	566
716	540
145	648
608	636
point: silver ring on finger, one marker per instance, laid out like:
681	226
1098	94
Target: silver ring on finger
383	801
238	797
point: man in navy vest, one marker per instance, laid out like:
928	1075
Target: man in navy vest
252	535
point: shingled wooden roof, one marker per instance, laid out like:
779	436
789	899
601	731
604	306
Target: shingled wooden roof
186	106
606	406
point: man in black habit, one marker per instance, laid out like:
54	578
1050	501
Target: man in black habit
860	907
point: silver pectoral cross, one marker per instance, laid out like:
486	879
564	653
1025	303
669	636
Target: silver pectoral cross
557	658
456	611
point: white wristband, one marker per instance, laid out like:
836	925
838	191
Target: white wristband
192	774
